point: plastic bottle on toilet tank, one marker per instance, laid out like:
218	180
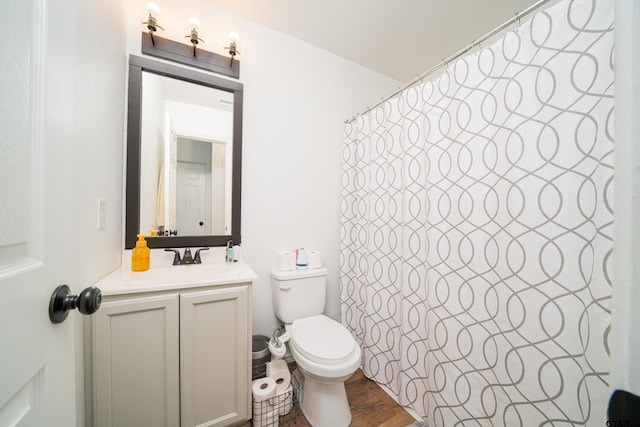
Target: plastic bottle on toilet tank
301	261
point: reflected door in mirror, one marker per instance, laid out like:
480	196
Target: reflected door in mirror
186	156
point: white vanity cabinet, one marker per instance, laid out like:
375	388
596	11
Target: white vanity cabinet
171	355
136	369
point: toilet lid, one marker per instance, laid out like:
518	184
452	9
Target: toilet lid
322	340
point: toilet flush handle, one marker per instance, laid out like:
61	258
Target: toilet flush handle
285	288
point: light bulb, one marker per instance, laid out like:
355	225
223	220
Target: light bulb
154	10
233	45
194	24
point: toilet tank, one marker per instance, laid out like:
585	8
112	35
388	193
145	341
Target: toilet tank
298	293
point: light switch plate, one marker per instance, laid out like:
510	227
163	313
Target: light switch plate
102	214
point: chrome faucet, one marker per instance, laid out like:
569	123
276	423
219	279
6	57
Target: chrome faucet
187	258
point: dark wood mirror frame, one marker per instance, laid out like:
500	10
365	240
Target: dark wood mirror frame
134	110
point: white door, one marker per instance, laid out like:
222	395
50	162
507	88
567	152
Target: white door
191	199
37	380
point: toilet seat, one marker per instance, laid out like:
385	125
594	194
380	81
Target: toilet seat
323	340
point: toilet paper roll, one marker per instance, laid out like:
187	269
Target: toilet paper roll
279	372
286	261
263	389
265	409
285	400
265	414
315	259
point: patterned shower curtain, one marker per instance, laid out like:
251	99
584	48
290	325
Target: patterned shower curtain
476	229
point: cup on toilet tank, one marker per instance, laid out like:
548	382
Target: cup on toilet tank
315	259
286	261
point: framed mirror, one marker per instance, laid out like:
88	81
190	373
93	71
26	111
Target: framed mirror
184	156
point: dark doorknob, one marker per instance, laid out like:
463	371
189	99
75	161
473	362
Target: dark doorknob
61	302
201	223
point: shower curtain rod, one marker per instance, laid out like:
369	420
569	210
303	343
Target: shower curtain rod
516	19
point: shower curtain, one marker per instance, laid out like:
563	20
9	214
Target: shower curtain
476	229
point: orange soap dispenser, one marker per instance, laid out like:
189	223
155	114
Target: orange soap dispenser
140	255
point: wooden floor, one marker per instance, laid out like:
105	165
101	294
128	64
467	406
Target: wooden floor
370	406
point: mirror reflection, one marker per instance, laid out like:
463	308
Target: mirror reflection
186	158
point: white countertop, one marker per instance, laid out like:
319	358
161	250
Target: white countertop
162	275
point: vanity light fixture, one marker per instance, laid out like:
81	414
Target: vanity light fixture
194	26
152	20
182	53
233	46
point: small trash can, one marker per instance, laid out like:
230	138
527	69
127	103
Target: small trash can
260	355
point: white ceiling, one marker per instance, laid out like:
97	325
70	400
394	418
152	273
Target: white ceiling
397	38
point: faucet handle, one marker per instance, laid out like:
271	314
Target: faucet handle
197	257
176	257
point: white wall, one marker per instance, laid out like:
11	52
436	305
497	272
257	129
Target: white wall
296	98
99	96
98	148
200	122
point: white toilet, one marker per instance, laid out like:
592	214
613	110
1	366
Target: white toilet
324	350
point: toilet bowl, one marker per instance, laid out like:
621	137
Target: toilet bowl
325	351
328	355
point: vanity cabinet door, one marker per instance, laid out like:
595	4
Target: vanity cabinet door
214	356
136	366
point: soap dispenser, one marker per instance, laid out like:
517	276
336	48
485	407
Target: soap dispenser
301	261
229	252
140	255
